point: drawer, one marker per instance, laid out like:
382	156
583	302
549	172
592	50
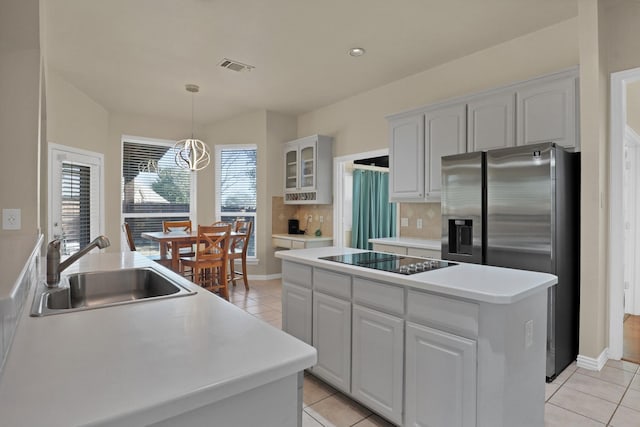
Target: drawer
378	295
390	248
278	242
296	273
332	283
455	316
429	253
296	244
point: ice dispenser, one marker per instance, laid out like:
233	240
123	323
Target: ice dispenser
461	236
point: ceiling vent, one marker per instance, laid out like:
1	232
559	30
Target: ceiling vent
235	65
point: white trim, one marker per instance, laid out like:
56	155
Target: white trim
339	165
593	364
616	215
265	277
96	160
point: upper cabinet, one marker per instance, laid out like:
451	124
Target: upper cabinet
406	158
547	113
491	122
308	171
539	110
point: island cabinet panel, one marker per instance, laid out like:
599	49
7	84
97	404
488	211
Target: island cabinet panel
336	284
440	378
332	340
377	361
296	311
296	273
378	295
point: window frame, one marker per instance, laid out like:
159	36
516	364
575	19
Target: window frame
193	206
218	149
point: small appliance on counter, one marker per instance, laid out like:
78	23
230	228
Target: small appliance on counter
294	227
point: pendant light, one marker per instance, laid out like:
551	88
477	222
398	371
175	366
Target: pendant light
192	153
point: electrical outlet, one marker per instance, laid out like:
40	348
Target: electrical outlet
419	223
11	219
321	219
528	333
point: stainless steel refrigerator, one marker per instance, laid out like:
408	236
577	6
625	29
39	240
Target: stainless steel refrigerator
520	208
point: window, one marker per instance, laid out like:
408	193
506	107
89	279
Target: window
75	194
154	189
236	186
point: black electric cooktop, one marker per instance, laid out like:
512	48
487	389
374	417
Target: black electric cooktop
394	263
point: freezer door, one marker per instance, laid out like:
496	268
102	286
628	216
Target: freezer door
520	207
462	201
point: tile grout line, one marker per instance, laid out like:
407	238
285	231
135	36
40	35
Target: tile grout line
578	413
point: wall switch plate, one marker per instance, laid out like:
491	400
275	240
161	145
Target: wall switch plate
404	222
11	219
528	333
419	223
321	219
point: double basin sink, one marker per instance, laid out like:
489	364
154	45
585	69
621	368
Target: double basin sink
86	291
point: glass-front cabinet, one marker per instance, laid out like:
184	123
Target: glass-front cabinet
308	170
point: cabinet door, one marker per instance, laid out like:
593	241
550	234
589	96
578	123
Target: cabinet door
332	340
307	170
491	122
547	113
290	169
377	361
440	378
296	311
406	158
446	134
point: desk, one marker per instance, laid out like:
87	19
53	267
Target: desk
176	238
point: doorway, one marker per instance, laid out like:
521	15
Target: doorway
342	192
624	217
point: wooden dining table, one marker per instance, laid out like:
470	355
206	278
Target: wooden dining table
177	238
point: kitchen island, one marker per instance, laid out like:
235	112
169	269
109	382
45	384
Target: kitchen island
463	345
189	360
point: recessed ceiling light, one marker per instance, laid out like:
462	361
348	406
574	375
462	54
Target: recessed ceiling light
356	51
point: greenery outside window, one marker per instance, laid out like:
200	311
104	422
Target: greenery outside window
154	189
236	186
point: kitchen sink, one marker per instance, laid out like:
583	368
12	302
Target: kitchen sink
86	291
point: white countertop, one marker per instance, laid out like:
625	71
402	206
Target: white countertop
409	242
481	283
139	363
302	237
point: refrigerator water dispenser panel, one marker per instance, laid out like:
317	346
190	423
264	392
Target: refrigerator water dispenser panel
461	236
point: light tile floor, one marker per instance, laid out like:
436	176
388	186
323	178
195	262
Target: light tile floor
577	397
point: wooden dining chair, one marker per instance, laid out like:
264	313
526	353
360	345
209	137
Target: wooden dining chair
238	251
208	267
132	247
168	226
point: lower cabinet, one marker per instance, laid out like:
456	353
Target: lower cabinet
296	306
377	358
440	378
332	340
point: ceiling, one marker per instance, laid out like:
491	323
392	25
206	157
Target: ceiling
135	56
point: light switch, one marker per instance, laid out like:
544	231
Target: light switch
528	333
419	223
11	219
404	222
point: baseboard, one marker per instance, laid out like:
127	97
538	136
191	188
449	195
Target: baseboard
265	276
591	363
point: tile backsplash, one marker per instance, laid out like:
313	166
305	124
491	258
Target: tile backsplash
281	213
429	213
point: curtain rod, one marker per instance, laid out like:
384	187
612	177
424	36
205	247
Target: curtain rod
370	168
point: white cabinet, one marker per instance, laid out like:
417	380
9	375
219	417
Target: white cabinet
445	134
308	170
332	340
440	378
416	146
296	307
406	158
491	122
377	363
547	113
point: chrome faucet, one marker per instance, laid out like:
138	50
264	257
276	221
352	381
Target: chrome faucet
55	267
